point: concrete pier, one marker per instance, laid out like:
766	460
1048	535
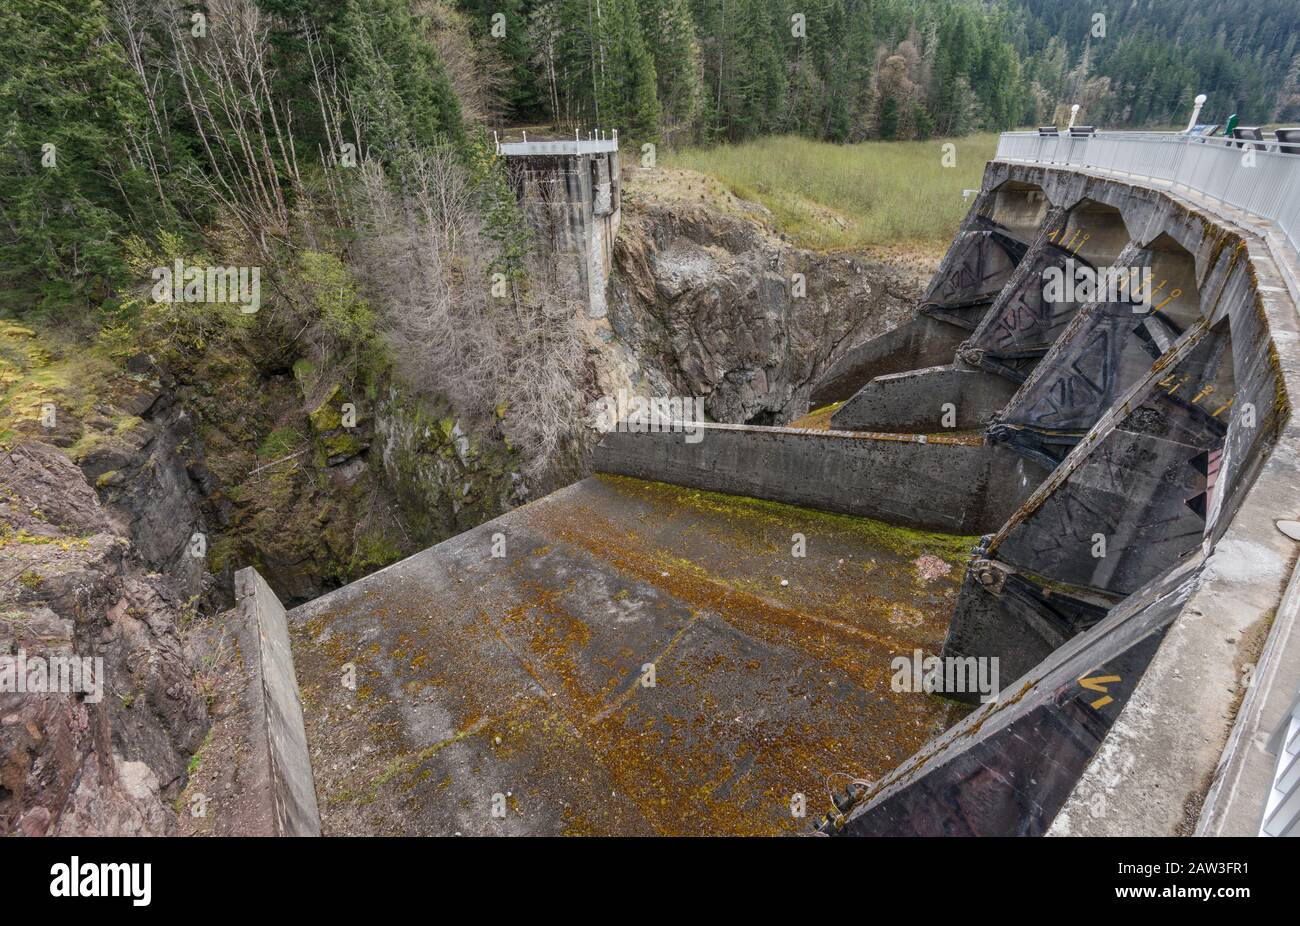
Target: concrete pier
571	193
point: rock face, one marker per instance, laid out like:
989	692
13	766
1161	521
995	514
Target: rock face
712	304
101	756
146	466
445	479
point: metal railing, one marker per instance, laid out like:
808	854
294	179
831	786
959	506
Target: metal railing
1282	811
563	146
1259	178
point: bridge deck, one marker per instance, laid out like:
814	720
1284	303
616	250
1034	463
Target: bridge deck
520	675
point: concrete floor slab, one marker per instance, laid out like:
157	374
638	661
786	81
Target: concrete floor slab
514	683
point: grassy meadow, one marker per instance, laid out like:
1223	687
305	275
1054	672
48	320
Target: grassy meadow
877	194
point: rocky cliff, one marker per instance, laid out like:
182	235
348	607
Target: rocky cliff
102	756
707	299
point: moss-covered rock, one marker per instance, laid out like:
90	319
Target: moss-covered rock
259	459
337	441
447	478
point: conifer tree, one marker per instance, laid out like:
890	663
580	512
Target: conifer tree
627	82
669	31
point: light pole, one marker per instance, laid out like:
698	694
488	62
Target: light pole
1196	112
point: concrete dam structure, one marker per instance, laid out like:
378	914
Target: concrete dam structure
571	194
1084	507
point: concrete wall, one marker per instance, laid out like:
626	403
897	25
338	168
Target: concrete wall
1021	325
979	263
573	202
1021	208
1245	774
940	484
1180	760
915	400
1176	735
1013	620
281	788
921	342
1009	767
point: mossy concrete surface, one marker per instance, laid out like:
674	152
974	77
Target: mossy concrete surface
640	659
949	481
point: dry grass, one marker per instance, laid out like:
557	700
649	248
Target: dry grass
830	197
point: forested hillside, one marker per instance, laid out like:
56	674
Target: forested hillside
156	119
324	144
1158	54
847	70
243	242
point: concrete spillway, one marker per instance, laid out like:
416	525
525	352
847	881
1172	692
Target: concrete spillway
524	675
1082	492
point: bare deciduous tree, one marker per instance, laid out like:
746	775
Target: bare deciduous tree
426	259
226	83
473	69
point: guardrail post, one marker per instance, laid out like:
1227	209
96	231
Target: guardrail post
1177	172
